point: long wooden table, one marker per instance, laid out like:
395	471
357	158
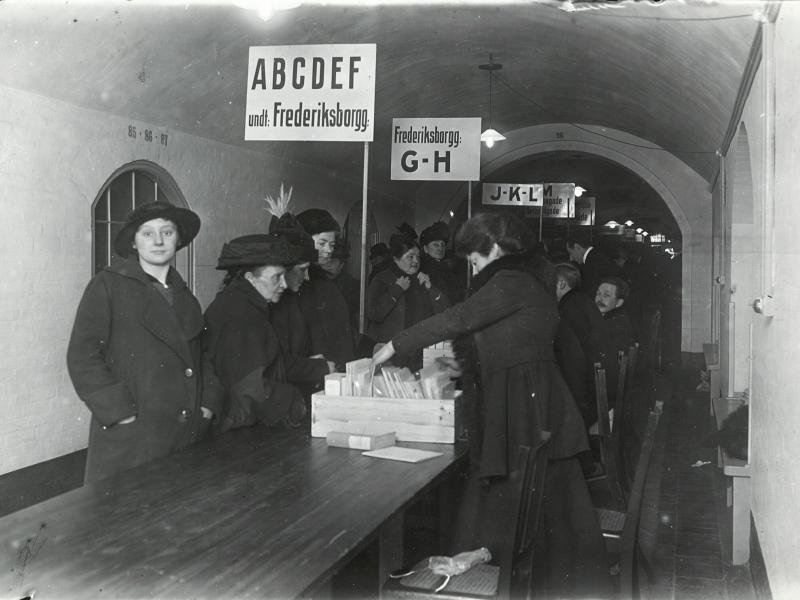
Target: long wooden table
255	513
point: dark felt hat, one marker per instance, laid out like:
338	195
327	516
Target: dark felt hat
379	249
317	220
187	222
255	250
301	244
407	230
437	231
399	244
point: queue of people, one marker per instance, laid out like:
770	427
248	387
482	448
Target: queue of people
157	374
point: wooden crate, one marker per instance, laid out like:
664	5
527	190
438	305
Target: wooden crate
439	421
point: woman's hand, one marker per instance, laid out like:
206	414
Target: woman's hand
404	282
383	354
424	279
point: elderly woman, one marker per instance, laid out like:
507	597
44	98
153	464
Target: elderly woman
243	345
135	354
511	319
400	296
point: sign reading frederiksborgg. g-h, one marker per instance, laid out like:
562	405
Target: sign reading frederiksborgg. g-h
436	149
311	93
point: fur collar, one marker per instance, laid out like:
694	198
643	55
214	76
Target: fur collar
514	262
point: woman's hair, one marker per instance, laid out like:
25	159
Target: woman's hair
399	244
239	273
484	230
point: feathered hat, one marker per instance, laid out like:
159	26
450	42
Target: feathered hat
283	223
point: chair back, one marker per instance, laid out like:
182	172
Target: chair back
516	571
633	360
630	551
622	382
609	454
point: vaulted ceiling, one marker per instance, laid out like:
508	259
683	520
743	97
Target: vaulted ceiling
665	71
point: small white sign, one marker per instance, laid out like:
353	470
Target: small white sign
311	93
584	211
512	194
436	149
559	200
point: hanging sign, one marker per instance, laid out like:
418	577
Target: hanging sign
436	149
311	93
584	211
512	194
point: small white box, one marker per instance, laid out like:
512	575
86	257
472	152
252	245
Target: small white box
334	383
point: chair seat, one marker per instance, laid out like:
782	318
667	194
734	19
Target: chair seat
480	581
611	521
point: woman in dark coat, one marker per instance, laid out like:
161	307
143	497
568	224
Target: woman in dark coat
243	346
433	241
323	305
400	296
513	319
135	354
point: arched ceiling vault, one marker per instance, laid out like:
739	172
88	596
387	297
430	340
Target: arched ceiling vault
667	72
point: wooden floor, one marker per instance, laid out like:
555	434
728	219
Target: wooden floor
691	533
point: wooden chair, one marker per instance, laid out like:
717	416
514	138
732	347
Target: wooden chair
631	560
624	525
606	441
513	578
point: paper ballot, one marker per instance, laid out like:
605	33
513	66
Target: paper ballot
404	454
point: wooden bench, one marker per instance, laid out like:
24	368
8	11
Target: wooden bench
738	492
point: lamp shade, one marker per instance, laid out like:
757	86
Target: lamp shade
490	136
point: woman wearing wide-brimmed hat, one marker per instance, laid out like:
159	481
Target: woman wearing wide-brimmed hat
135	354
243	346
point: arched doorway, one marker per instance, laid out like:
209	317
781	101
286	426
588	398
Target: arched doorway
130	186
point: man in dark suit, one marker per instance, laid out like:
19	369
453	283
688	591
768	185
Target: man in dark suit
592	331
594	265
610	300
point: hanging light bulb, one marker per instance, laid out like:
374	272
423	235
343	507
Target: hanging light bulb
579	191
491	135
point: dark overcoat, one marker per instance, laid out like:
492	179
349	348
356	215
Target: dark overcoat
328	318
443	277
386	304
132	354
514	320
247	357
292	330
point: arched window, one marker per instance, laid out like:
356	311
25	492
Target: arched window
128	187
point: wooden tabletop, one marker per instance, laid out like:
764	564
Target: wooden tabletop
255	513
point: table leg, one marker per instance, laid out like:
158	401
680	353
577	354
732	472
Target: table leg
390	548
741	520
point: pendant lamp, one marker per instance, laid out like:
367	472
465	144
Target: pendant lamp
491	135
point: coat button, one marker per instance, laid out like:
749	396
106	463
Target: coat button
186	413
188	373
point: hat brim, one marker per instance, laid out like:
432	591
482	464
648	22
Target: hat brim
187	222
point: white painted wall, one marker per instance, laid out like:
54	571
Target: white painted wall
776	379
54	159
683	190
